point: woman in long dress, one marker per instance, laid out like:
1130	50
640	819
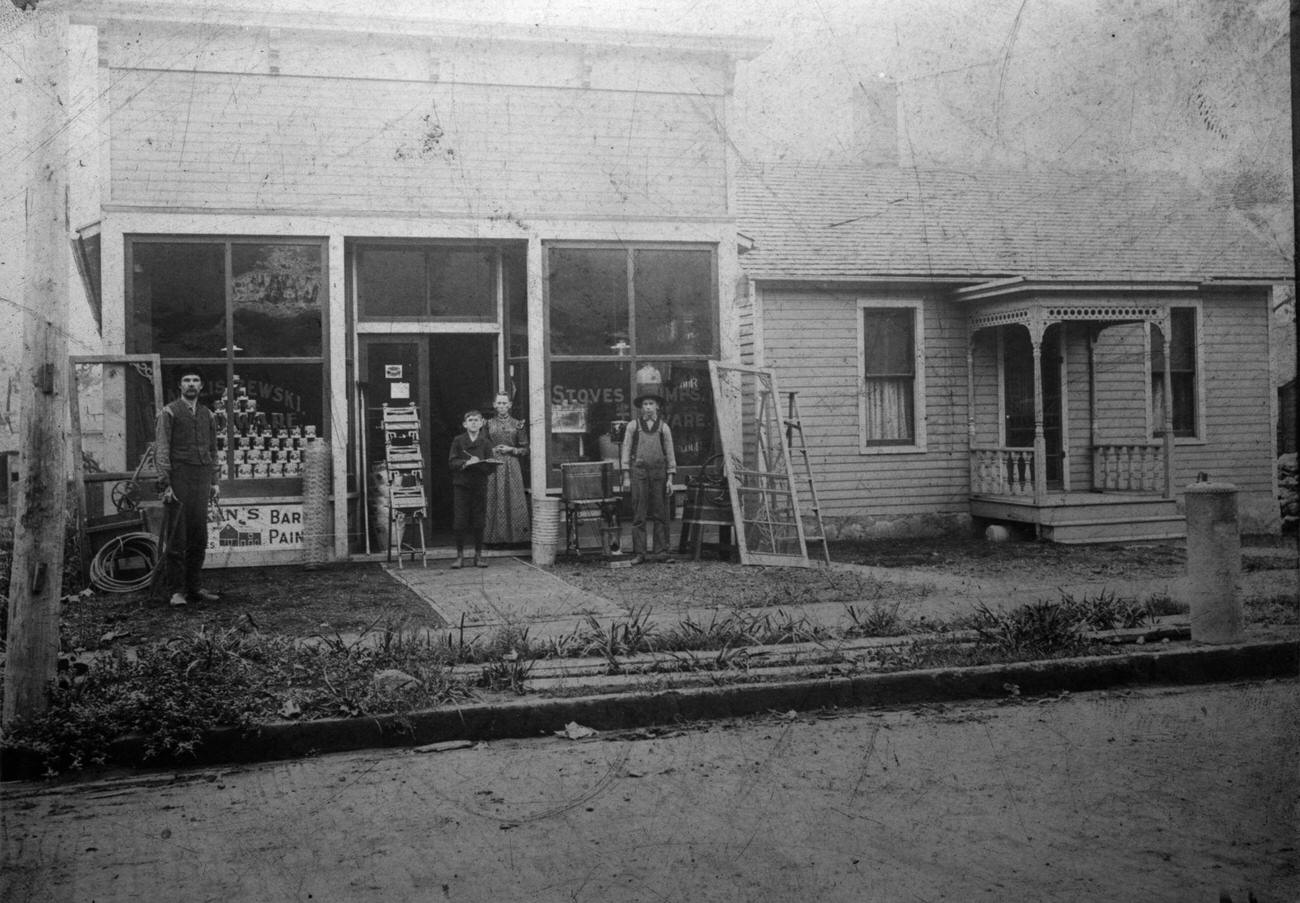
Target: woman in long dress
507	506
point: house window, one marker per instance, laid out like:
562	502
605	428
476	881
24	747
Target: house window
1182	373
890	405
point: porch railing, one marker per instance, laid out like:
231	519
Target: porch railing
1001	470
1129	467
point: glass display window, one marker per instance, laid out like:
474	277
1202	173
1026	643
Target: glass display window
674	302
276	299
588	301
176	303
590	402
268	386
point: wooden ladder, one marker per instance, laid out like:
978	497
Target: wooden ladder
793	427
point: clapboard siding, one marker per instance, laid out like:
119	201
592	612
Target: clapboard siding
810	342
1120	373
988	426
1078	402
253	141
1238	430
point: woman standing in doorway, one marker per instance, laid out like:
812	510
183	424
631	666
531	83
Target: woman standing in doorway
507	506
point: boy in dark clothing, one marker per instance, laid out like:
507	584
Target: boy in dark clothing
469	458
185	449
650	463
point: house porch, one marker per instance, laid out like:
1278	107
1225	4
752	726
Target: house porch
1049	447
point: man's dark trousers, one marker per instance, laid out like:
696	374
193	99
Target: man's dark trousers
192	484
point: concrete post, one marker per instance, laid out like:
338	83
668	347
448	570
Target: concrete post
1213	562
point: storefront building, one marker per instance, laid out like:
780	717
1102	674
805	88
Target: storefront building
329	214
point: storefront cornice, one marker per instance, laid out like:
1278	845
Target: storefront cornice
407	224
306	19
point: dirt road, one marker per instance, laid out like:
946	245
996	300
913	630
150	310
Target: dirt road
1153	795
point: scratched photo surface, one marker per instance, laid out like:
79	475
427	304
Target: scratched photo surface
1068	118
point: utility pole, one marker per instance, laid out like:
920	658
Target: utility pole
36	580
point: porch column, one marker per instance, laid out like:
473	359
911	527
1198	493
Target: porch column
1040	441
1167	414
970	407
1094	333
970	391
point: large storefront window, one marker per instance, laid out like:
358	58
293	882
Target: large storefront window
249	315
618	311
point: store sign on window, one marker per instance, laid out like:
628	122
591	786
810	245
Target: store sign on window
247	529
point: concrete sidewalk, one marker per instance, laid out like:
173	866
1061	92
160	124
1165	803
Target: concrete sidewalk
508	591
512	590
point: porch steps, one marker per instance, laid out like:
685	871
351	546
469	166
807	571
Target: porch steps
1082	518
1145	529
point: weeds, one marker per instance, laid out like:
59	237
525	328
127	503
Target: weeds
169	694
1033	629
506	674
1107	611
880	619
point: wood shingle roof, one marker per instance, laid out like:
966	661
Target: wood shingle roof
839	222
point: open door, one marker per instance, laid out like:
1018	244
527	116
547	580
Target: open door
440	375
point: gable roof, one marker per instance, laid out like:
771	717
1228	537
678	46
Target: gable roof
838	222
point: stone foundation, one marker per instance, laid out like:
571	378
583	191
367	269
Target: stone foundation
862	527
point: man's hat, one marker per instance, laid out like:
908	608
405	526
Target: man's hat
649	385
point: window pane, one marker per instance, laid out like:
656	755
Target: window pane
688	408
674	302
391	282
889	413
588	300
1182	367
887	341
272	410
177	299
1182	348
462	283
515	276
277	299
589	404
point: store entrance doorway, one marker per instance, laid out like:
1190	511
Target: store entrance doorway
440	375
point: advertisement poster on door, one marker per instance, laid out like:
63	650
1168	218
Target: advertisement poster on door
256	529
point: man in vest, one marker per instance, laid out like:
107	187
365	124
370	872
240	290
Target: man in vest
186	454
650	463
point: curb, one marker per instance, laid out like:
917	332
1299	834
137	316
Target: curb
621	711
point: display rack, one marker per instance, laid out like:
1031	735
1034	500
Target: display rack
404	463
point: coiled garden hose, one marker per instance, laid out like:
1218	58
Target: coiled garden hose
130	545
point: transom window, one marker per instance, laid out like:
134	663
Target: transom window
424	281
